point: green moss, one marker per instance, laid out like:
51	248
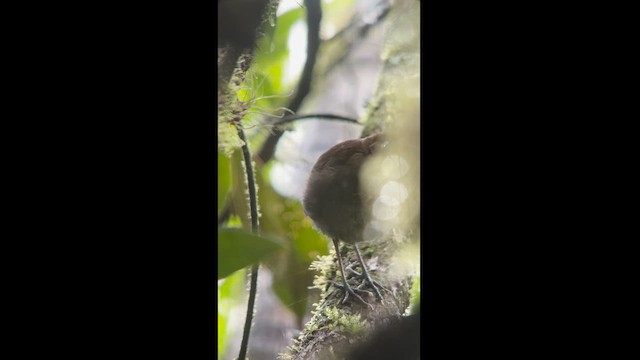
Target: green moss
230	110
353	324
228	140
324	266
285	356
346	323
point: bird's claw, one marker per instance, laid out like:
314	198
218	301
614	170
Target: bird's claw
374	284
349	290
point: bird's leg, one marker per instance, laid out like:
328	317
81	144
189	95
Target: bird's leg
347	288
365	273
361	275
340	286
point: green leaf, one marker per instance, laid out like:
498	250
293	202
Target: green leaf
415	295
309	244
290	268
224	180
230	292
222	335
273	49
238	248
291	285
272	52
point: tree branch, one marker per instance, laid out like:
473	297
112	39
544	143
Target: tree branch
336	327
361	32
314	16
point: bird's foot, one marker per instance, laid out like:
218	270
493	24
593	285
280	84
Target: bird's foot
374	284
349	290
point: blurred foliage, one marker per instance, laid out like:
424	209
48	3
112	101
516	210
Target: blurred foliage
273	52
291	284
340	13
281	218
239	248
285	218
224	180
415	295
230	292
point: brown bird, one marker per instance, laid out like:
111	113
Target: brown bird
334	202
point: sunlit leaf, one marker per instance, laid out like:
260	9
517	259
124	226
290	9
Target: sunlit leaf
415	295
222	335
230	288
272	49
273	52
243	95
239	248
309	244
337	14
230	296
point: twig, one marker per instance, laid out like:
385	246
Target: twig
292	118
314	16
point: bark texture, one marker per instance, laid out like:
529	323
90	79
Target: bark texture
336	327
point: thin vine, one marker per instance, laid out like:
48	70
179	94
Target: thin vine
253	204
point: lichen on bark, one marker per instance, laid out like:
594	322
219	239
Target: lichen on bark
335	326
400	74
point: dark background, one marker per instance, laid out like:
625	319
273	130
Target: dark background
120	259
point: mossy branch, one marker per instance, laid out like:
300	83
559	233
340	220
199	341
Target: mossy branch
336	327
